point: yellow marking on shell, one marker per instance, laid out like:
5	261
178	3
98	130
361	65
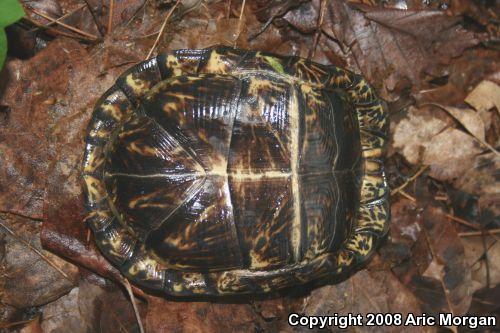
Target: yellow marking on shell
310	71
146	265
113	111
137	85
373	187
136	202
177	287
257	85
361	244
172	62
170	106
343	259
95	160
372	166
195	282
100	131
142	150
373	153
295	149
372	217
95	188
311	94
216	64
239	175
256	260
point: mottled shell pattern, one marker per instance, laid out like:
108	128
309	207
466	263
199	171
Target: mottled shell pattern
224	171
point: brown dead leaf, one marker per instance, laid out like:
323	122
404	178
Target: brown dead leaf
63	229
483	274
465	72
411	138
394	47
448	265
198	317
407	249
106	309
485	96
450	153
365	292
485	303
482	178
30	276
64	313
469	118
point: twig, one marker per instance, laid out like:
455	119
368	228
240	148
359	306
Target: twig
228	15
127	286
62	33
59	19
317	35
18	238
468	224
161	29
479	233
143	6
110	17
407	196
409	180
238	29
17	323
64	25
39	219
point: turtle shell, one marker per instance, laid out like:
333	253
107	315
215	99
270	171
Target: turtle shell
224	171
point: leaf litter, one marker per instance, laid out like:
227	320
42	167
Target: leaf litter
436	69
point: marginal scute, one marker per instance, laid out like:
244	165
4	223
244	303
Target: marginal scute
224	171
117	242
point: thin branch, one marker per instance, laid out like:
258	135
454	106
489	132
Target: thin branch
110	17
238	29
407	196
18	238
470	225
479	233
318	32
162	28
59	32
59	19
127	286
64	25
409	180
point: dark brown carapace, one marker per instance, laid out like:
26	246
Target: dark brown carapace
223	171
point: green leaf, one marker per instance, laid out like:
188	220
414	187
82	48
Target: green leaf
10	12
3	47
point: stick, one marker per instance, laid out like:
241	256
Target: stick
162	28
64	25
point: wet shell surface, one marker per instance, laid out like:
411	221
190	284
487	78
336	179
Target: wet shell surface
224	171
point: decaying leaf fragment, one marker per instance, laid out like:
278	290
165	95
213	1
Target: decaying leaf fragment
485	96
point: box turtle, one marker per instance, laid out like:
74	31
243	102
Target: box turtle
223	171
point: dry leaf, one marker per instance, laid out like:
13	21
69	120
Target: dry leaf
26	278
485	96
482	178
481	271
365	292
470	119
448	265
411	138
450	153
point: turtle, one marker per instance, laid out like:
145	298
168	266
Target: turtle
222	171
